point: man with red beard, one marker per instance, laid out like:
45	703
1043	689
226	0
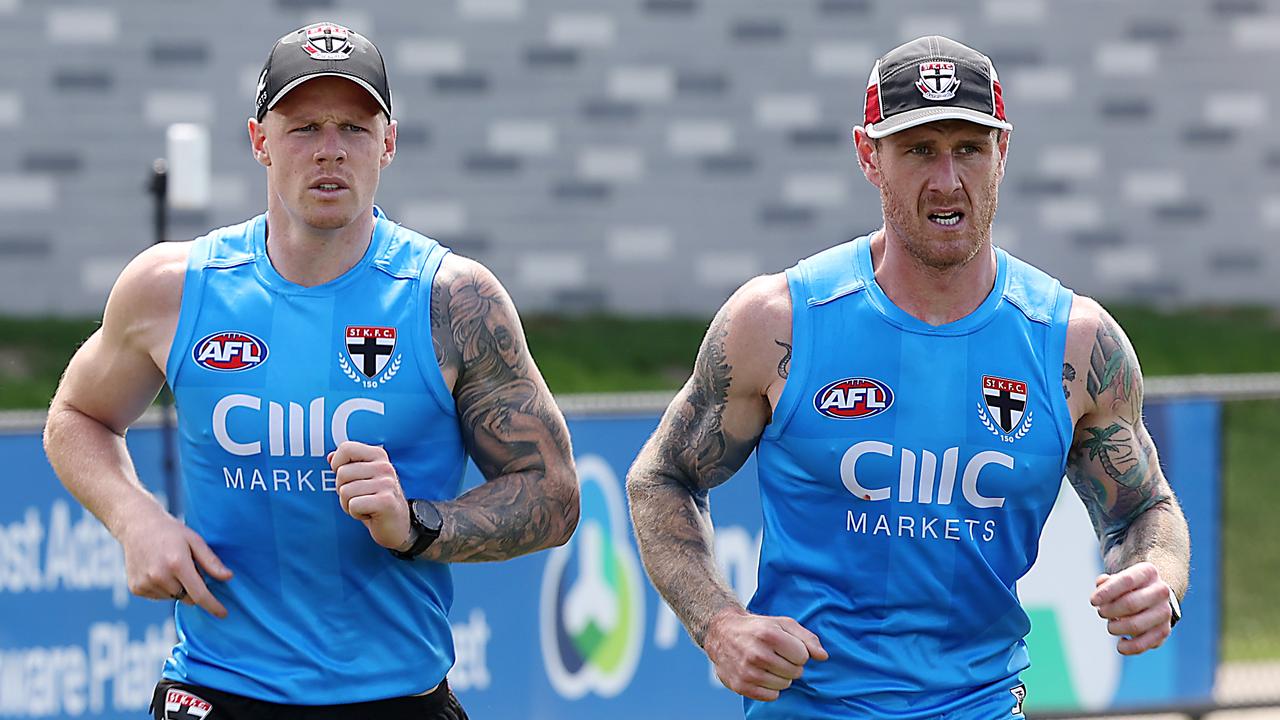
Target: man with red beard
902	393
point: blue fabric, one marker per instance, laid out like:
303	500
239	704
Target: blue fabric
318	612
898	512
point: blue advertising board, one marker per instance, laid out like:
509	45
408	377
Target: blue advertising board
73	642
578	631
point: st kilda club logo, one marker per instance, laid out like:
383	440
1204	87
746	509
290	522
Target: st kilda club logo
370	358
938	80
853	398
229	351
327	41
1003	410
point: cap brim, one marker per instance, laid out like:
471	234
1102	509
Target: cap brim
330	73
913	118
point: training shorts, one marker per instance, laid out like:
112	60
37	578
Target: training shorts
180	701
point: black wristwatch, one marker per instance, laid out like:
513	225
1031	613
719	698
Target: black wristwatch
424	527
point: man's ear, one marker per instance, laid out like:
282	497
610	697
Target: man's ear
868	156
1002	145
388	144
258	142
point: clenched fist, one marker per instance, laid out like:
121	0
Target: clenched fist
1135	604
758	656
369	491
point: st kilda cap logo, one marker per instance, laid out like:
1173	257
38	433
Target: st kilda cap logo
928	79
317	50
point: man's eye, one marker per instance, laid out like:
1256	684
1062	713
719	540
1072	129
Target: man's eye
355	128
306	128
919	150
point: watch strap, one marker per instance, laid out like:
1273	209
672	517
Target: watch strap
1175	607
423	535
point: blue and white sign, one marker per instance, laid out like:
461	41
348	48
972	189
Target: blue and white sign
576	632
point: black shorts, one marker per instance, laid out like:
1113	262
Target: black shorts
180	701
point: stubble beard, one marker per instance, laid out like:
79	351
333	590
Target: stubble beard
932	248
327	215
327	220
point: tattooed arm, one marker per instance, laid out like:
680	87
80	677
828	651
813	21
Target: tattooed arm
709	430
512	427
1114	468
509	423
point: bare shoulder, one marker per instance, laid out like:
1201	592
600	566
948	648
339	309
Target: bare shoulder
756	325
1100	370
142	310
116	372
151	284
763	302
461	278
1086	319
455	266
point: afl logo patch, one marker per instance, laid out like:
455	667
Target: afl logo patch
228	351
853	398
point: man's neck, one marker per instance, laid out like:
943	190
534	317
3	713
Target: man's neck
309	256
932	295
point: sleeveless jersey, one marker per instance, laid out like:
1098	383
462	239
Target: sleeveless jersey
905	480
269	377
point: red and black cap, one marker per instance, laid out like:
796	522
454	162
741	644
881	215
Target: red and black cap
317	50
932	78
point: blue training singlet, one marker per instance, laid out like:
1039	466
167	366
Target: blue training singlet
905	479
269	377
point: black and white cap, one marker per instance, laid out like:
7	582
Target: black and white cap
932	78
320	49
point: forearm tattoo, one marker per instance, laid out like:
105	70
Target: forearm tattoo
1113	466
510	425
668	485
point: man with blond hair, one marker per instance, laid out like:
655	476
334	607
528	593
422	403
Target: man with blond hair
332	370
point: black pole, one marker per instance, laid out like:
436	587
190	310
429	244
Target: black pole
159	188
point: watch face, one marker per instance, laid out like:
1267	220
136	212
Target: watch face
427	514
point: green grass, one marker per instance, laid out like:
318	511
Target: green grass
1251	541
1227	340
605	354
33	353
610	354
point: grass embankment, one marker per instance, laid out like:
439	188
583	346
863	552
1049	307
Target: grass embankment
1251	541
599	354
33	354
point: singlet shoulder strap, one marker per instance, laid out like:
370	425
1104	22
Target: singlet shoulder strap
832	273
1032	291
406	253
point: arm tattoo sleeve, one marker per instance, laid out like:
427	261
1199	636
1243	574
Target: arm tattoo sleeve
668	486
1113	465
511	427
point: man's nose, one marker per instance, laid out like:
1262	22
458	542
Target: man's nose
330	148
944	176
